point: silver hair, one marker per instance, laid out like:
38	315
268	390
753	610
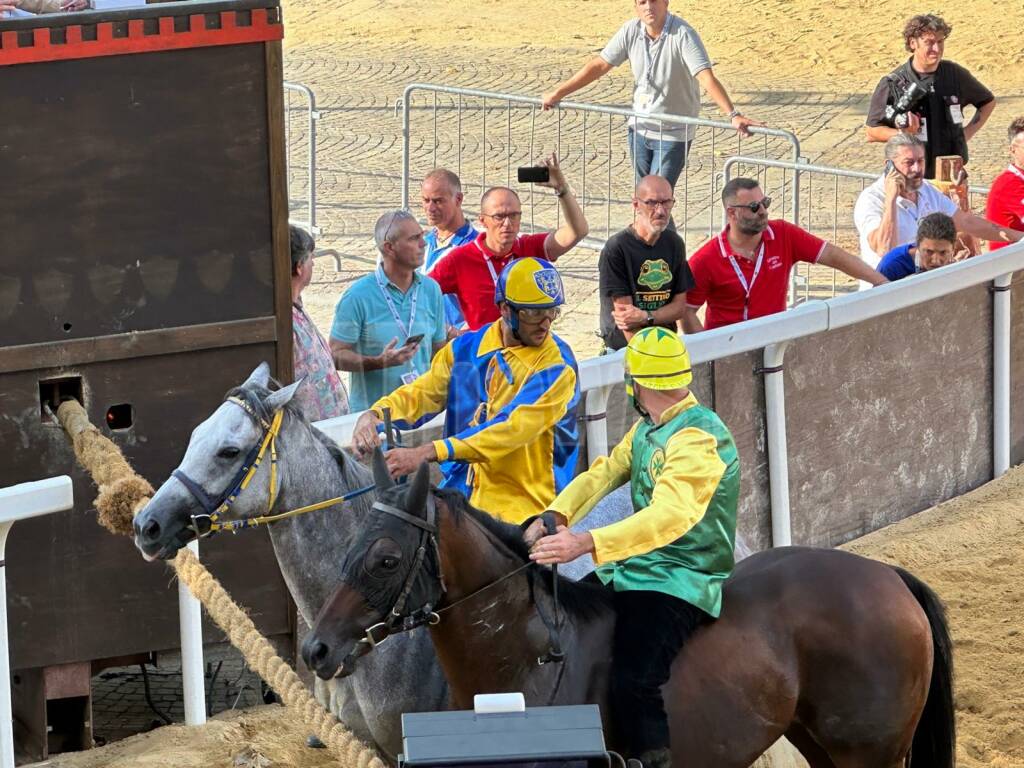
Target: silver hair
447	176
386	228
900	140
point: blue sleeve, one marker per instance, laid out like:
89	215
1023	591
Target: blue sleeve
897	263
349	318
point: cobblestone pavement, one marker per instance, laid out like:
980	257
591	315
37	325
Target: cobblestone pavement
121	707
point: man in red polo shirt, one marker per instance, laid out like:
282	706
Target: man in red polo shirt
1005	205
470	272
743	272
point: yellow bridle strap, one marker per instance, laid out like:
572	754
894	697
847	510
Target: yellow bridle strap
268	440
251	522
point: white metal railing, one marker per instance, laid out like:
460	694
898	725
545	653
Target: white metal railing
483	135
312	115
21	502
773	333
823	199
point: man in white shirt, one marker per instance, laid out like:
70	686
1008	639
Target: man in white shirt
670	65
887	212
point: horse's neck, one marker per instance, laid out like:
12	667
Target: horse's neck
491	642
311	547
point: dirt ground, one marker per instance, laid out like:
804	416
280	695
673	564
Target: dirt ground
968	550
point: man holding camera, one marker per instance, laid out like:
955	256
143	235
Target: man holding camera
470	272
926	96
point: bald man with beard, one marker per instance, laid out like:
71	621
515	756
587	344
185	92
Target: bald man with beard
643	272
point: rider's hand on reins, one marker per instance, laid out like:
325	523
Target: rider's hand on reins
563	547
365	436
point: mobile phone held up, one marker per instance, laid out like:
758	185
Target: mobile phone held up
533	174
413	340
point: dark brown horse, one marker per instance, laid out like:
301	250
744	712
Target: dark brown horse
849	658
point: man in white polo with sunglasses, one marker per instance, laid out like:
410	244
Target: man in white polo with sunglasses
743	272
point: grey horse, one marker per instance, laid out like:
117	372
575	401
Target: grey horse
403	675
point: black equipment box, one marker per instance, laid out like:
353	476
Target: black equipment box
538	737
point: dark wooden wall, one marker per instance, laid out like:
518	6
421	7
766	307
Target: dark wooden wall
144	249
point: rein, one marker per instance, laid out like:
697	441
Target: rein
397	621
207	523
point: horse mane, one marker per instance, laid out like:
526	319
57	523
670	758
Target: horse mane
254	395
584	600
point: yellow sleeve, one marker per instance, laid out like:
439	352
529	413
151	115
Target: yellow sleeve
418	402
681	496
539	404
604	476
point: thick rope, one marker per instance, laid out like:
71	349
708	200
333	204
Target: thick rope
122	494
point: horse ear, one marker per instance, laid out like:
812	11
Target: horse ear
416	496
279	399
381	476
260	376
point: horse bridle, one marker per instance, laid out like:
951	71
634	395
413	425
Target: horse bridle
207	522
397	621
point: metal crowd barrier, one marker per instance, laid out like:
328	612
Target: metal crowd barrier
484	135
822	201
310	116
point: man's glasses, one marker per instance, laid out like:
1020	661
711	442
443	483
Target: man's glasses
501	218
653	205
532	315
754	207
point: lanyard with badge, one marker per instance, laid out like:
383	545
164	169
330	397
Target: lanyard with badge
747	288
413	374
487	261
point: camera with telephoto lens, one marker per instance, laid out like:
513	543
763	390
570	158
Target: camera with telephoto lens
898	113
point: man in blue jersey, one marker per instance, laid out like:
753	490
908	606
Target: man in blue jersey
510	392
441	193
935	247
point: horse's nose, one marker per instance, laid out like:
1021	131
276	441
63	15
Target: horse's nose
314	652
148	531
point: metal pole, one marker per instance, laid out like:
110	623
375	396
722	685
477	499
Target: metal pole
595	410
778	456
190	619
1001	374
406	96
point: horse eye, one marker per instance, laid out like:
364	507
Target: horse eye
389	563
228	452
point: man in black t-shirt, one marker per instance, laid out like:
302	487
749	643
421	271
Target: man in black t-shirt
643	271
943	88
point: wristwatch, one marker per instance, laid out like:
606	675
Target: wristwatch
563	191
734	113
650	318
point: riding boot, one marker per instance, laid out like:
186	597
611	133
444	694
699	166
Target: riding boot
657	758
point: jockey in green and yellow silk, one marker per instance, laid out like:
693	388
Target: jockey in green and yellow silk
667	560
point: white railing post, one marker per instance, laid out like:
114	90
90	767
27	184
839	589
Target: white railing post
312	116
1001	374
20	502
190	618
778	456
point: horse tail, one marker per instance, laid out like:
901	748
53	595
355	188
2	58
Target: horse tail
934	743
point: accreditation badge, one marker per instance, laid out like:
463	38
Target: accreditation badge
410	377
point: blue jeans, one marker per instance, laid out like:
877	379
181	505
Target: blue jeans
653	155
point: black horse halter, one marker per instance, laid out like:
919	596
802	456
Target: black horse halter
397	620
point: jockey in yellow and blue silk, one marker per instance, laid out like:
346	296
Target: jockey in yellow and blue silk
509	390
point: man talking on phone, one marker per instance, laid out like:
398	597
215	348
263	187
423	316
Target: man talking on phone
887	212
388	324
510	392
470	272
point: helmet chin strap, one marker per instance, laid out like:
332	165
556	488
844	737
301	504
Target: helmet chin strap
513	324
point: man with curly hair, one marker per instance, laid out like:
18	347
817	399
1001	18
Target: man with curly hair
942	89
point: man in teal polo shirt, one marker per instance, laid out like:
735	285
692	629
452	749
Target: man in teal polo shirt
667	561
388	324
